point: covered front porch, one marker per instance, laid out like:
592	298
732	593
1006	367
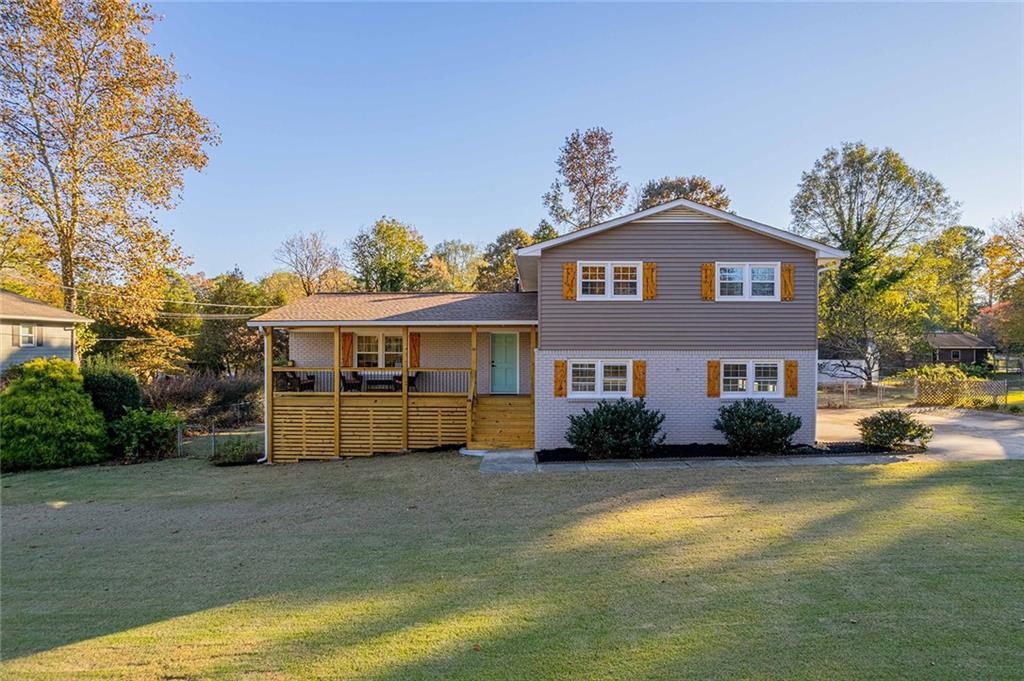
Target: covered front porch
354	390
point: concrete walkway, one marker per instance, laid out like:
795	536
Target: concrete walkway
960	435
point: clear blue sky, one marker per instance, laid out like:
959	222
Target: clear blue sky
449	117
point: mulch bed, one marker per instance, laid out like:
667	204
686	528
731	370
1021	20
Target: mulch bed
695	450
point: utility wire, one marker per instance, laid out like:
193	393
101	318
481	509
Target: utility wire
152	300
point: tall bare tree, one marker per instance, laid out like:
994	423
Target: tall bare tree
588	174
96	136
314	261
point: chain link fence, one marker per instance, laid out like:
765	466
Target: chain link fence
202	437
854	395
974	393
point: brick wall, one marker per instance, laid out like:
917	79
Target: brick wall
677	386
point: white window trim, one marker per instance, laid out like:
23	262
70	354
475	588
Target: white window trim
609	282
599	393
779	394
21	335
954	355
380	349
747	281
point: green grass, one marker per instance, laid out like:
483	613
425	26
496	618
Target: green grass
419	567
1015	397
202	445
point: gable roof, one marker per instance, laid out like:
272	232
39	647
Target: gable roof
821	250
18	307
414	309
957	341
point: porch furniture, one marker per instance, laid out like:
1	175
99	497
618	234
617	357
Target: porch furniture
351	381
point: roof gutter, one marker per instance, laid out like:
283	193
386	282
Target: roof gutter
398	322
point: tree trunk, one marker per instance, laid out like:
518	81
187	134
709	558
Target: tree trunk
67	280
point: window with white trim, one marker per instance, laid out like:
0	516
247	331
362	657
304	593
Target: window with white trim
378	351
609	281
604	378
752	378
747	280
27	335
954	355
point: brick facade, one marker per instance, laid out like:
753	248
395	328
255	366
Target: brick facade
677	386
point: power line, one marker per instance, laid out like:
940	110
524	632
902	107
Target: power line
147	338
151	300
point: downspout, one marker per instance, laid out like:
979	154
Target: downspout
266	404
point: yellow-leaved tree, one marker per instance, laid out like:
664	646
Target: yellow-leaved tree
96	139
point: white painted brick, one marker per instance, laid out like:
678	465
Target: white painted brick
677	386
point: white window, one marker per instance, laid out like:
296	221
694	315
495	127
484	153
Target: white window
27	335
609	281
752	378
954	354
604	378
747	280
378	351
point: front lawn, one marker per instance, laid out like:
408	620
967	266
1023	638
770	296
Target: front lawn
420	567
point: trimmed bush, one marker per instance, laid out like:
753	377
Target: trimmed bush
47	420
938	373
756	427
620	429
114	389
891	427
143	434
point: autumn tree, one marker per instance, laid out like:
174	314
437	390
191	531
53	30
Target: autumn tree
695	188
1000	266
389	256
545	230
453	265
499	271
227	344
944	276
281	288
96	137
587	189
312	259
871	203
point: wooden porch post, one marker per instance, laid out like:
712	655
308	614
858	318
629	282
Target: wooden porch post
472	385
337	391
268	390
405	387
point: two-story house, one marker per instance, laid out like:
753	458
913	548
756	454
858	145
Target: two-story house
684	305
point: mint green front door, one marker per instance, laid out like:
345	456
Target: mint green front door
504	363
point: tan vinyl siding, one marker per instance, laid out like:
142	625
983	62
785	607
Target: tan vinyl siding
677	319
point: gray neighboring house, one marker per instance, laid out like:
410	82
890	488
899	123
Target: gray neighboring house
31	329
687	306
959	348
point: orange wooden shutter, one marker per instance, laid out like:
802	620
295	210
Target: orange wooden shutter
792	376
569	280
707	281
650	280
639	378
414	349
561	378
787	281
714	378
346	349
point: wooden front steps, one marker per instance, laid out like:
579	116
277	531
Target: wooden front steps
502	422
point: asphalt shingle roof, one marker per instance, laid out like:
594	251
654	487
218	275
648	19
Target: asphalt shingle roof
15	306
406	308
956	340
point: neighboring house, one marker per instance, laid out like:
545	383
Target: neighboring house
959	348
30	329
687	306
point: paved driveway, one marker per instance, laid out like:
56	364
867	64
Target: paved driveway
962	434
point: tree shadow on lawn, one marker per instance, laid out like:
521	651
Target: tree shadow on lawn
377	573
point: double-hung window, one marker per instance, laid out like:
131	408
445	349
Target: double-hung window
378	351
752	378
609	281
27	335
747	281
601	378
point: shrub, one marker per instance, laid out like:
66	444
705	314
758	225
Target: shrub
206	397
143	434
624	428
939	373
114	389
47	420
1014	409
978	370
237	452
891	427
756	426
